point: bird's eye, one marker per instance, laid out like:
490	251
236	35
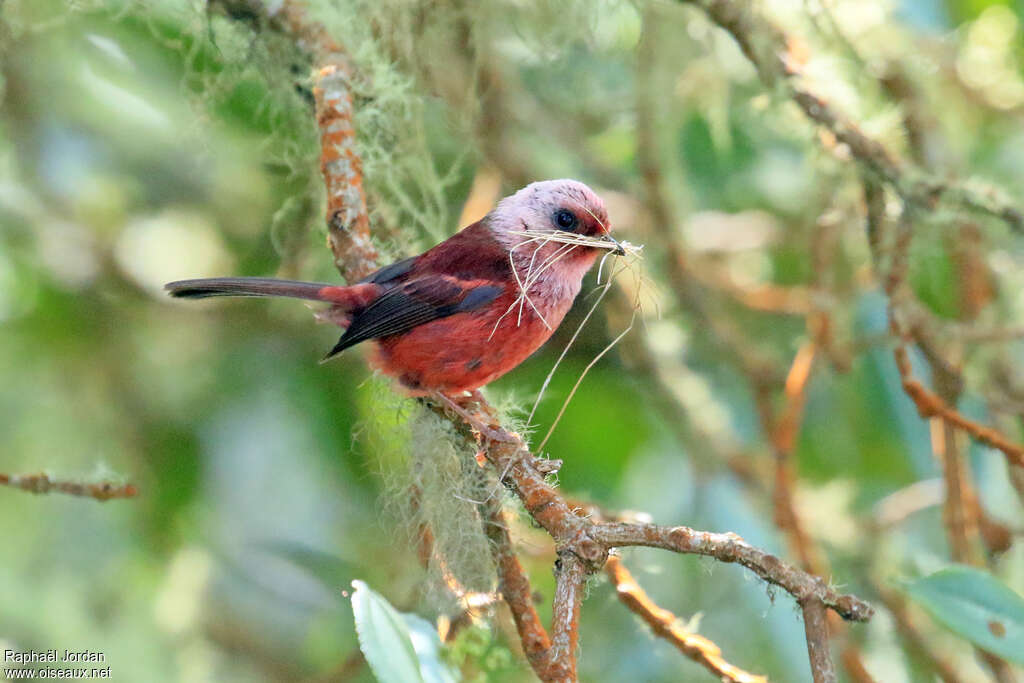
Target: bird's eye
565	219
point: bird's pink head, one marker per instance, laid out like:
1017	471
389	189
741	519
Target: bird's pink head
561	221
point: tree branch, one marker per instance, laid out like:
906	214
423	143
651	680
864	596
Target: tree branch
515	589
666	625
348	223
731	548
42	483
570	583
816	630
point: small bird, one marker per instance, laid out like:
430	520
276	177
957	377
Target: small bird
473	307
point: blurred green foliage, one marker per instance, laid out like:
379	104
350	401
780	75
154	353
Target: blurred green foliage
145	142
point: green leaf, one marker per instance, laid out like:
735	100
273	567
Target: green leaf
384	637
428	649
974	605
400	648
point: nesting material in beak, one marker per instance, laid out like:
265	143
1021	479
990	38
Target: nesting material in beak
619	249
606	241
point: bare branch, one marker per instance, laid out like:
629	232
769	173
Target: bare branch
41	483
515	589
816	630
666	625
733	549
570	583
929	404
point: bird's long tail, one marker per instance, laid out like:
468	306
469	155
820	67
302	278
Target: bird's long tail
249	286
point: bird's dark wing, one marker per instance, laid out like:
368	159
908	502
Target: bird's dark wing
414	303
391	272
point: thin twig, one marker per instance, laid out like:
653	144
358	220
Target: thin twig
42	483
816	631
731	548
570	583
666	625
929	404
515	589
783	433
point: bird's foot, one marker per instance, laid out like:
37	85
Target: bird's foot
485	430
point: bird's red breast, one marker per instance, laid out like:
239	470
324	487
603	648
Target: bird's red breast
427	347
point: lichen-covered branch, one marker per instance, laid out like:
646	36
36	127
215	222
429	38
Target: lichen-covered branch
42	483
590	541
583	544
666	625
348	223
769	50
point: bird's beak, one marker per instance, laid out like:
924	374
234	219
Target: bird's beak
618	251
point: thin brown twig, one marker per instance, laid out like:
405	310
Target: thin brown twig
765	297
731	548
816	631
570	583
666	625
930	404
782	432
42	483
958	512
515	589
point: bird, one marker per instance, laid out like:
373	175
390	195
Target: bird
468	310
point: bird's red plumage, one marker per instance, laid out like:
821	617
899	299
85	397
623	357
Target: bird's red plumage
456	317
467	350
